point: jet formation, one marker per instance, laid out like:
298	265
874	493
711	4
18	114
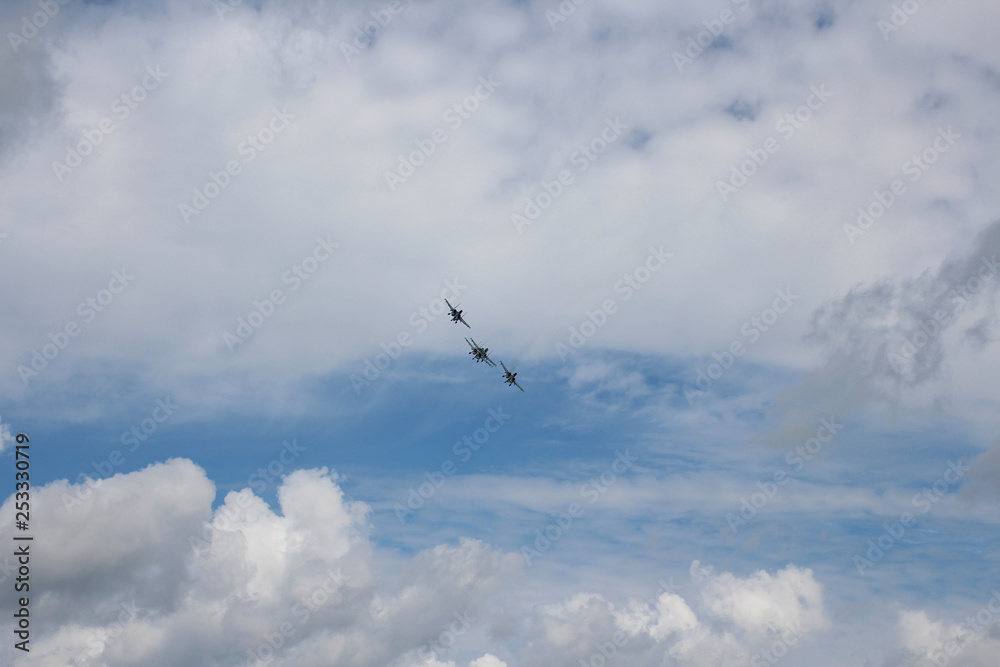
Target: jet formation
480	353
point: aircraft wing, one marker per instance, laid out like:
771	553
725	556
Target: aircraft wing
518	386
462	320
489	361
504	366
471	344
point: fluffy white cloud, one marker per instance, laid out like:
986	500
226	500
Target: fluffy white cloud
763	604
147	574
125	540
488	661
970	643
728	618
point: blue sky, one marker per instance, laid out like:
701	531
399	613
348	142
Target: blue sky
742	256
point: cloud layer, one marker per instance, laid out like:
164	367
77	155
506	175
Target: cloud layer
150	575
258	122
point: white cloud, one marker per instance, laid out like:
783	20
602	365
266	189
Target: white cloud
944	643
488	661
5	436
763	603
207	587
146	573
353	120
730	617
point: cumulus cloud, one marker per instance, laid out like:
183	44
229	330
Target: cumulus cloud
488	661
763	604
148	574
725	620
971	643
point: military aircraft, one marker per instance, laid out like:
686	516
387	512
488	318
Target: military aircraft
479	353
456	315
510	378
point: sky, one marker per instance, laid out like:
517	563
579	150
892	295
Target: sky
742	254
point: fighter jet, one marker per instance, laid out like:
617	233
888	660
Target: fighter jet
479	353
456	315
510	378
